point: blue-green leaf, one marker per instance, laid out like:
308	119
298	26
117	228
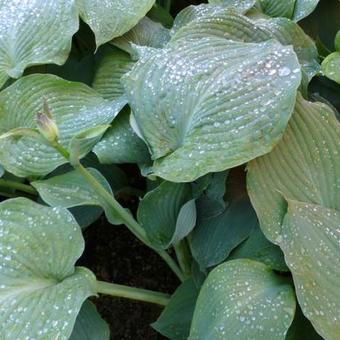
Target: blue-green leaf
243	299
331	66
41	290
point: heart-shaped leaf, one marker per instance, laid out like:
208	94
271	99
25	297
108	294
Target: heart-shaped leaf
243	299
304	166
41	290
74	106
112	18
71	190
311	243
203	105
34	32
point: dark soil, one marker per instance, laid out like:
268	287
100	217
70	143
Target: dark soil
115	255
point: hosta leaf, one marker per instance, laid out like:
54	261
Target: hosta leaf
41	291
192	13
110	70
89	324
71	190
243	299
74	106
303	8
145	33
331	66
164	211
311	244
120	144
337	41
112	18
304	166
34	32
257	247
175	320
278	8
234	26
204	106
214	237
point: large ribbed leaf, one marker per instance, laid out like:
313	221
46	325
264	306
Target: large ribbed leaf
243	299
331	66
311	244
203	105
112	18
71	190
120	144
145	33
304	166
278	8
110	70
74	106
34	32
234	26
41	290
303	8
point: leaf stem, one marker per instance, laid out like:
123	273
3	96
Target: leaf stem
17	186
132	293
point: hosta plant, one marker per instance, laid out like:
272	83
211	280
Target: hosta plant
228	112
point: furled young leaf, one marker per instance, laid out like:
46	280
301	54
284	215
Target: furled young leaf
234	26
214	237
278	8
145	33
304	166
112	18
175	320
311	243
110	70
243	299
41	290
257	247
34	32
89	324
167	214
71	190
120	144
303	8
203	105
331	66
74	106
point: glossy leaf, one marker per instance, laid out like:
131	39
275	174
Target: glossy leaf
89	324
200	96
167	214
120	144
34	32
304	166
109	72
331	67
71	190
243	299
303	8
175	320
41	290
112	18
278	8
145	33
311	243
74	106
239	5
